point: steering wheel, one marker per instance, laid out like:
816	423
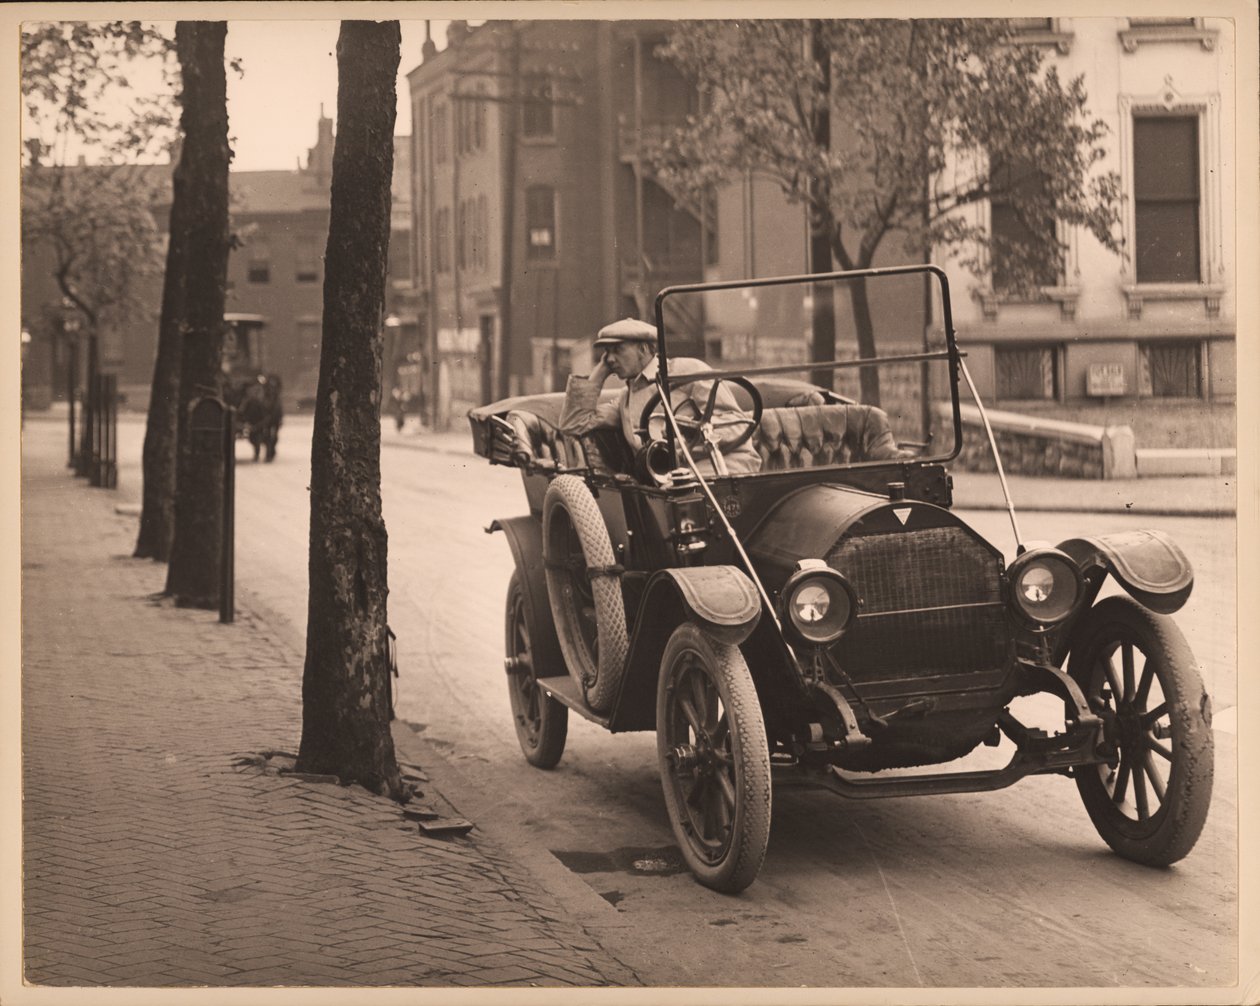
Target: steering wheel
692	426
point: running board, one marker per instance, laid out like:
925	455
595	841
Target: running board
565	690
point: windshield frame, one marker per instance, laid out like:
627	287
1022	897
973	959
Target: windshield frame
950	353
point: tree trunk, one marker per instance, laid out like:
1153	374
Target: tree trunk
193	574
345	682
868	376
161	433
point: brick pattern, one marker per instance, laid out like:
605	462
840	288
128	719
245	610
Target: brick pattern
159	852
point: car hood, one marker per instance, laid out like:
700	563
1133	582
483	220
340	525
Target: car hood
810	523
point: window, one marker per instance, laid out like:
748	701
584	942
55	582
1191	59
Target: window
438	126
1027	372
258	268
1161	22
1019	24
473	239
483	232
1022	229
470	121
307	267
1040	31
1170	369
540	221
537	110
1149	30
1166	198
442	240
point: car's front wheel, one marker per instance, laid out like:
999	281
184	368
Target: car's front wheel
714	760
1150	800
542	723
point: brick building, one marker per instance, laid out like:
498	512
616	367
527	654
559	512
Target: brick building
281	221
529	191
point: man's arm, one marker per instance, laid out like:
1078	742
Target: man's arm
583	411
725	409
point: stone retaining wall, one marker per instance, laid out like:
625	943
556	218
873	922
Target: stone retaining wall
1031	446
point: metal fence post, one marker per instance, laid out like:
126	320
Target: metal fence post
109	459
227	588
72	394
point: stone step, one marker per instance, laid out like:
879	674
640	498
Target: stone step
1157	461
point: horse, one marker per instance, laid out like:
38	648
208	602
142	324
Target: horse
259	413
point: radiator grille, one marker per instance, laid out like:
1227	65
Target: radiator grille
894	574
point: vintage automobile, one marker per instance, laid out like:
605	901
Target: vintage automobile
248	387
828	621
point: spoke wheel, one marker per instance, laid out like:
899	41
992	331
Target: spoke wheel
542	723
1149	801
714	760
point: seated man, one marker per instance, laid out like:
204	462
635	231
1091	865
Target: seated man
628	350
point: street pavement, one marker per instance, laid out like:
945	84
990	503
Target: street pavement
161	852
164	844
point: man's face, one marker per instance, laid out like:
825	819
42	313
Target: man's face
627	359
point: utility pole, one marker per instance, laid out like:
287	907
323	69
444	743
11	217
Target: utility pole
823	331
507	259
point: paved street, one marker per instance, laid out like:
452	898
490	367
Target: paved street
1001	889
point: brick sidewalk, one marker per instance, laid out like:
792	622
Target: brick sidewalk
156	854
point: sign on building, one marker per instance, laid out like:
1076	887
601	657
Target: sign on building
1105	380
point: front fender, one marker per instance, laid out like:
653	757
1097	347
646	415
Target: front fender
721	599
1148	564
524	537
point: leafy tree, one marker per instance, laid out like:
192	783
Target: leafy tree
92	224
922	118
345	682
94	221
78	97
199	220
97	231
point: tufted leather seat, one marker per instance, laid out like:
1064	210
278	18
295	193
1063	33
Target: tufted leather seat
815	435
541	443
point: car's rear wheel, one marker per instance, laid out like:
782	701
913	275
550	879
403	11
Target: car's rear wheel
542	723
1150	801
585	593
714	760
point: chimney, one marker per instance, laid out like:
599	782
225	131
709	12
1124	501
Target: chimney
319	157
429	49
455	32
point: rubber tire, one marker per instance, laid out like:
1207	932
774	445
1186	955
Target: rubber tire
724	665
568	500
544	743
1173	829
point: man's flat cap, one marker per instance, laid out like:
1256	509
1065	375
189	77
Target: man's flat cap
626	330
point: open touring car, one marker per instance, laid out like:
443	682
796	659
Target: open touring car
828	620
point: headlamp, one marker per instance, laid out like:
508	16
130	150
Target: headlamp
1045	586
818	602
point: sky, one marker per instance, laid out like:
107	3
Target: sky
290	71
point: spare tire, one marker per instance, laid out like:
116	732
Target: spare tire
588	608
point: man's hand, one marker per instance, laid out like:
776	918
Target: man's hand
600	372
